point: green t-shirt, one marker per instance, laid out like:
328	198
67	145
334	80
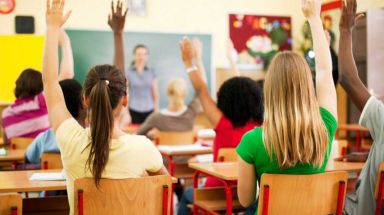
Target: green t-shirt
252	150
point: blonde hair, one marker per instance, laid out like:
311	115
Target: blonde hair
293	128
177	91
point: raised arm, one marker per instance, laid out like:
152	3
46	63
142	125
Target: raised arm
57	110
347	66
198	56
116	21
325	90
209	106
66	66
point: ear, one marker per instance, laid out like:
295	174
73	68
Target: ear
86	101
124	100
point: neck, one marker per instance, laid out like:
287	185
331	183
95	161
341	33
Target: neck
174	108
140	67
117	132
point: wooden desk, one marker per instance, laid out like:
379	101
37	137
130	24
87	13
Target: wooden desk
359	130
18	181
227	173
13	155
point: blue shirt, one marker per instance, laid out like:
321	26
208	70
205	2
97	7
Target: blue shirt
140	89
44	142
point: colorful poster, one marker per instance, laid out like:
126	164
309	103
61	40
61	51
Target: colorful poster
258	38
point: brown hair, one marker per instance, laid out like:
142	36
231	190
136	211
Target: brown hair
104	86
293	128
28	84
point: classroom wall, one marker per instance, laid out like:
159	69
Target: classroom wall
207	16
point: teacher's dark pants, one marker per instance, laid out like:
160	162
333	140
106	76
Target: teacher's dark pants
138	117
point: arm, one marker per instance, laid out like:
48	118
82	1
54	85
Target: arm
155	95
162	171
198	55
246	183
66	66
349	74
57	110
231	59
117	21
209	106
325	90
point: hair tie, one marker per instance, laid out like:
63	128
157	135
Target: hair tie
106	81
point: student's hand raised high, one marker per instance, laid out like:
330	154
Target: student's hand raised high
187	52
198	48
116	20
349	18
311	9
54	14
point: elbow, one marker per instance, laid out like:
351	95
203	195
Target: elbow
245	202
246	199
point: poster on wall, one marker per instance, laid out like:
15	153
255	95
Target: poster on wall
330	14
137	7
257	39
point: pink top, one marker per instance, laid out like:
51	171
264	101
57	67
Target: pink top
227	136
27	117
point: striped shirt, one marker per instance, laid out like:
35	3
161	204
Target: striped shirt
27	117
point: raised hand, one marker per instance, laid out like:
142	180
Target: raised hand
187	52
311	8
198	48
116	20
54	14
348	16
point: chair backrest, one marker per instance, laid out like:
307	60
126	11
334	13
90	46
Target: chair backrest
379	189
310	194
227	155
20	142
50	160
10	204
173	138
146	195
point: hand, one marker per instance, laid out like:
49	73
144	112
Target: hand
117	20
349	18
230	50
187	52
198	48
54	13
311	8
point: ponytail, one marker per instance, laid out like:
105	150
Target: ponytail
101	128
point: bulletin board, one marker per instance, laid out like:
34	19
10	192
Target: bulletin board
16	54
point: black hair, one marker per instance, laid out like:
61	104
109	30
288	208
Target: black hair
241	101
28	84
72	91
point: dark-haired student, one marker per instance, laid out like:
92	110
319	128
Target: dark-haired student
362	202
142	82
28	116
46	141
102	150
239	109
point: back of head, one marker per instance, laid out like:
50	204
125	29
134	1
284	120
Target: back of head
28	84
293	127
177	91
104	86
72	91
240	100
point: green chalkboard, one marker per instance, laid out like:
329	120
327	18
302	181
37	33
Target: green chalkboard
91	48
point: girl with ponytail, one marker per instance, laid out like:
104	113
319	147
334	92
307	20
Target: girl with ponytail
102	150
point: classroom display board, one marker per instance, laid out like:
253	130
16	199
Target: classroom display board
91	48
16	54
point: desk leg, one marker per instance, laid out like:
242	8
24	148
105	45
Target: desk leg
171	169
195	185
228	196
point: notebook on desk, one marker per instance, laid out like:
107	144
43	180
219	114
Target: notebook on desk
48	176
182	148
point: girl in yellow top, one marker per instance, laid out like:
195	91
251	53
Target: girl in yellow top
102	150
299	122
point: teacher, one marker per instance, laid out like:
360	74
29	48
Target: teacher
142	82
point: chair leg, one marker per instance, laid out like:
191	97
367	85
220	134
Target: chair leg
379	200
165	200
340	198
80	201
265	200
14	210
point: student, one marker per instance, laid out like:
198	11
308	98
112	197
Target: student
299	124
46	142
239	109
102	150
142	82
177	116
363	200
28	116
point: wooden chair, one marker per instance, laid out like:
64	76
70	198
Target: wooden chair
10	204
20	142
379	190
50	160
310	194
227	155
173	138
146	195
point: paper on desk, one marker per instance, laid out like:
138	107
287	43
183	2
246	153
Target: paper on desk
204	158
48	176
206	133
182	148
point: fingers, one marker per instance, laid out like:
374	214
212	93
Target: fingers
112	8
62	3
359	17
126	12
66	16
48	4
